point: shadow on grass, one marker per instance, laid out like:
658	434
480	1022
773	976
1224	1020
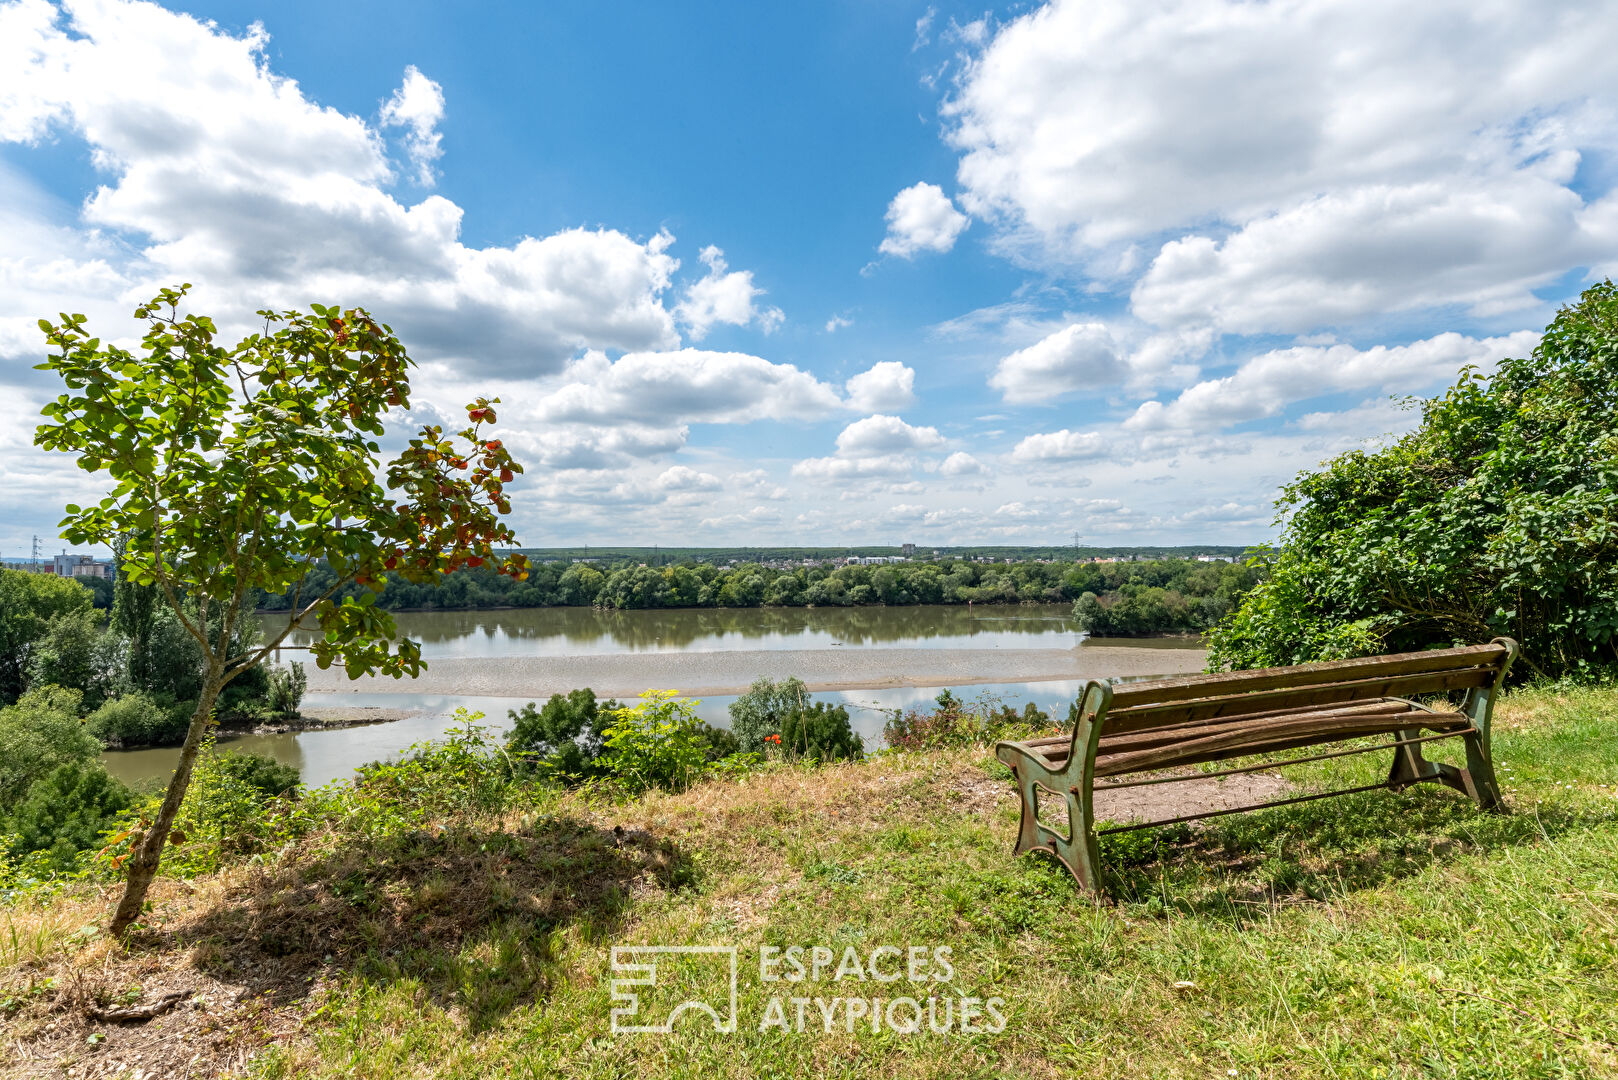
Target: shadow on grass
1235	866
468	915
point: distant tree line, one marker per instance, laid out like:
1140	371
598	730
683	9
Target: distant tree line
719	556
1109	597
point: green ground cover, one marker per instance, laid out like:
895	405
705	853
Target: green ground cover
466	928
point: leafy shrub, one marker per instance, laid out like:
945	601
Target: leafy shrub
28	602
1492	518
467	770
136	720
657	743
562	739
74	652
65	812
38	734
718	743
760	712
225	807
100	589
955	723
284	692
820	733
260	772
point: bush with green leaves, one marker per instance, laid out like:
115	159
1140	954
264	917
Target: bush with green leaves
100	589
1494	517
28	603
284	692
77	653
719	743
956	723
562	739
136	720
65	812
657	743
760	712
820	733
39	733
225	808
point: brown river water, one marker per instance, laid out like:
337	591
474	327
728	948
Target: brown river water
869	659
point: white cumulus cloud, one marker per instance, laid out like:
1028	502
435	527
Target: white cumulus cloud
961	463
1062	445
724	296
418	104
886	434
887	385
1266	384
922	218
1277	167
1082	356
688	386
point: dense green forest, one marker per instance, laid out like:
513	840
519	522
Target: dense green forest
1110	597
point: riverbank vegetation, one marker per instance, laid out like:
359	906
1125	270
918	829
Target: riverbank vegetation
1496	516
450	908
136	671
1112	598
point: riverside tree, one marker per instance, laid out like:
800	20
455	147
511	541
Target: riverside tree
242	467
1498	515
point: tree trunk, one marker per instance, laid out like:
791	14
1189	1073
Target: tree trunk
148	853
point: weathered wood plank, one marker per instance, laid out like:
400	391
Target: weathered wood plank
1159	691
1337	724
1291	698
1378	705
1247	740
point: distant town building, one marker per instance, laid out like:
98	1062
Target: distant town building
909	550
81	566
64	565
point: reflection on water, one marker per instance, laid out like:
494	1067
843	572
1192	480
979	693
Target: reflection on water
584	631
324	756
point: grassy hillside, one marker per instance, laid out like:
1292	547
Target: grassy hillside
1375	935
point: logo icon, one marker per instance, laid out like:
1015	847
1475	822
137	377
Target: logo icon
694	978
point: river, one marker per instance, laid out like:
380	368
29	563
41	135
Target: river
869	659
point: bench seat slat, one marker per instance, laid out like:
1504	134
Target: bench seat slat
1245	741
1291	698
1378	705
1317	726
1163	691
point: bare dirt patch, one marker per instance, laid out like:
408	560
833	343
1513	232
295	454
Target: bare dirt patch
984	794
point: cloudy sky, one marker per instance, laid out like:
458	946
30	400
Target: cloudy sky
867	271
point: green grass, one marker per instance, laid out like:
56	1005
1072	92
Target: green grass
1377	935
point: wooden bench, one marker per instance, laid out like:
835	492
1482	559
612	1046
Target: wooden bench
1129	728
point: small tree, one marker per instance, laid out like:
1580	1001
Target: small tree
759	713
821	733
243	467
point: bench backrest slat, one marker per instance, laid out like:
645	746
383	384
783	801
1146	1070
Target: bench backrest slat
1281	689
1241	682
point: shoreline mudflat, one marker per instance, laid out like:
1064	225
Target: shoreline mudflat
720	673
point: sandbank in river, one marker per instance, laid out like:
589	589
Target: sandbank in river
730	672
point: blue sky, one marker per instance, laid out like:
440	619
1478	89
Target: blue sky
834	273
